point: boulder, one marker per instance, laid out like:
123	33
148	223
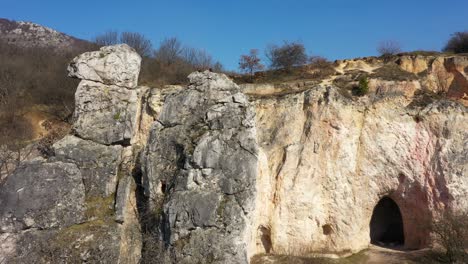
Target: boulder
42	195
106	114
112	65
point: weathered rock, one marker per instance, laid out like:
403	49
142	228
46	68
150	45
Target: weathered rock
327	160
414	64
440	74
94	242
106	114
111	65
200	167
124	192
98	163
42	195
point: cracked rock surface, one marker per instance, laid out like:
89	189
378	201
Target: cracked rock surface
117	65
199	168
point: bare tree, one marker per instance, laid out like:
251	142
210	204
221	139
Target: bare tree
170	51
286	56
388	48
218	67
458	43
198	58
107	38
250	63
138	41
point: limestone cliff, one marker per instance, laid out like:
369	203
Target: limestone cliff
216	173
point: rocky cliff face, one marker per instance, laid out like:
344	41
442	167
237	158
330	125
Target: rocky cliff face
216	173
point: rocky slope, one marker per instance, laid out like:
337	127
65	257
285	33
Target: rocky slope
28	34
217	173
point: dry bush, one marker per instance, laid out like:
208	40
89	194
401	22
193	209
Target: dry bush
250	63
286	56
31	76
388	48
14	135
322	67
458	43
173	62
107	38
451	233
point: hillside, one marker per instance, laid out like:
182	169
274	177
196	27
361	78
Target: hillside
30	35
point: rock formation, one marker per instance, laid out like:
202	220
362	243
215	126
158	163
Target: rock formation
62	209
217	173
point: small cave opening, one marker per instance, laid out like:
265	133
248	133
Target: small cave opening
265	238
386	226
327	229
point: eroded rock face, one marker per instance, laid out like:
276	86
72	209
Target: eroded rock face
441	74
42	195
112	65
327	160
200	167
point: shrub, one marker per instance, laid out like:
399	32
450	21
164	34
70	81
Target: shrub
250	63
286	56
363	87
451	233
322	67
458	43
388	48
173	61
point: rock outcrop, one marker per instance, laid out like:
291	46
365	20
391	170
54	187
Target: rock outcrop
327	161
63	209
217	173
200	167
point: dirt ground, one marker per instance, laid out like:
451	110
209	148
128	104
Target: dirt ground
373	255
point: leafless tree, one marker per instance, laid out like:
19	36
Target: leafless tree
107	38
458	43
250	63
217	67
170	51
138	41
388	48
198	58
286	56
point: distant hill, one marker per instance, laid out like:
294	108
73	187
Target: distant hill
31	35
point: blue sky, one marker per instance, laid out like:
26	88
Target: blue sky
334	29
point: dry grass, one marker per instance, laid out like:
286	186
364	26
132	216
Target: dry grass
288	259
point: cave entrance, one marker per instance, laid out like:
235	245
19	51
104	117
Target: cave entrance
386	226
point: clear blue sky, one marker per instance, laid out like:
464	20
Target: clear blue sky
226	29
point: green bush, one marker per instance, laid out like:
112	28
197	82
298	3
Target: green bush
363	87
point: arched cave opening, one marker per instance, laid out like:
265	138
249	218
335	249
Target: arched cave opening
386	226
